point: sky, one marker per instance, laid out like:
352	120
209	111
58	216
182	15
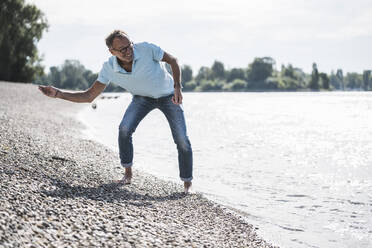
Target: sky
332	33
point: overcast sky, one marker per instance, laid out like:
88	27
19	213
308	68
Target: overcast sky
333	33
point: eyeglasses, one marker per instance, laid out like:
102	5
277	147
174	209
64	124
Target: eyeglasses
124	49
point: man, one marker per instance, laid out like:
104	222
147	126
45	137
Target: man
137	68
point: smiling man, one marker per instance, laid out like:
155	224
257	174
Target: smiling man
137	68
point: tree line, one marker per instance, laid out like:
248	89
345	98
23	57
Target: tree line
72	75
260	75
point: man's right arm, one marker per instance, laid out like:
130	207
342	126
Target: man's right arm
82	96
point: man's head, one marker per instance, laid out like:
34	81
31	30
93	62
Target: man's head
120	46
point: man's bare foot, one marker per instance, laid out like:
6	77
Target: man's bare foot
187	186
127	179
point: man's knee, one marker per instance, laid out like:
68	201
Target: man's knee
124	132
183	143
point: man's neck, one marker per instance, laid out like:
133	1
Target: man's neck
126	65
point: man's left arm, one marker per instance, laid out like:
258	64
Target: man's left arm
176	71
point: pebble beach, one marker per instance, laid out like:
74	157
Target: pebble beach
57	189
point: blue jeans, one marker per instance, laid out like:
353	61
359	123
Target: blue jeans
136	111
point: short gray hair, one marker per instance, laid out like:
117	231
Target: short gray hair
115	34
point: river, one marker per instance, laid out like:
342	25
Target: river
298	166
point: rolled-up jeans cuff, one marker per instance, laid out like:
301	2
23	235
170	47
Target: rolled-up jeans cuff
128	165
186	179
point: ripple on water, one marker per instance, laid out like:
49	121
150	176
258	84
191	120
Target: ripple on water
291	229
298	196
335	210
356	203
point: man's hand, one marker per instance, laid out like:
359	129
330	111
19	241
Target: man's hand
49	91
177	98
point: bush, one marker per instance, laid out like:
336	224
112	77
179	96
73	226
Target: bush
236	85
210	85
189	86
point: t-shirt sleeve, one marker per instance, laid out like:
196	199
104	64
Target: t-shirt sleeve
103	75
157	52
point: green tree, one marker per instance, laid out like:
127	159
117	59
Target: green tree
354	81
218	70
73	73
314	82
291	78
301	78
235	73
325	80
288	71
21	28
55	77
333	80
204	73
285	83
186	74
366	79
259	71
340	79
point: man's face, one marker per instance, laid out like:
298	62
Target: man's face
122	48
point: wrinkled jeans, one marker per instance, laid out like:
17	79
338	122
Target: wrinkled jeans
136	111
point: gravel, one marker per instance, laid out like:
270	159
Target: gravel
56	188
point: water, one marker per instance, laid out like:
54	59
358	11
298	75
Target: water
297	165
